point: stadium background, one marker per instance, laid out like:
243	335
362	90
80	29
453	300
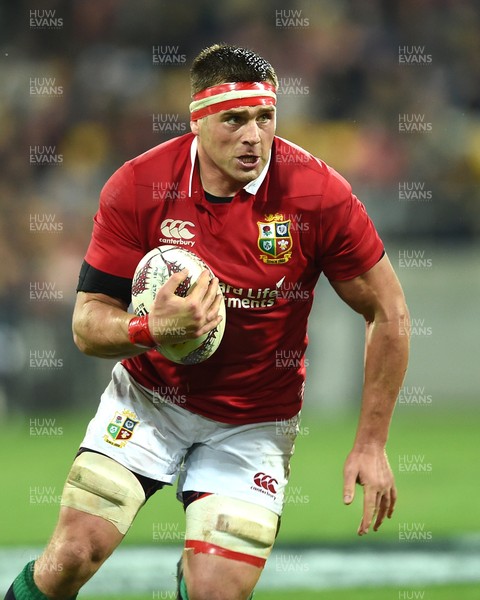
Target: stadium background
385	92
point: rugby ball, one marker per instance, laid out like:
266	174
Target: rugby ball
151	273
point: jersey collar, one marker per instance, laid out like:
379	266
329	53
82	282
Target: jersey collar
252	187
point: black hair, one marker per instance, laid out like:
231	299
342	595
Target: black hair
222	63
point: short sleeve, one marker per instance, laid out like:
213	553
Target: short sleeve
115	244
350	244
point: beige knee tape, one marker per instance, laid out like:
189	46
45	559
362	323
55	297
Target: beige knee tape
100	486
232	524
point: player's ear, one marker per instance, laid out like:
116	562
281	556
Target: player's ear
194	127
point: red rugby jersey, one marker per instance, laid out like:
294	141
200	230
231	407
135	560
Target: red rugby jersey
267	247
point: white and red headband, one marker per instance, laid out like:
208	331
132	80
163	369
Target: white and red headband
232	95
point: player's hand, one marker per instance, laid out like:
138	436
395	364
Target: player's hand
369	468
174	319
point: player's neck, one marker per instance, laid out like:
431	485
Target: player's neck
219	186
214	180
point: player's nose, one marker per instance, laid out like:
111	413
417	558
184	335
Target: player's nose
251	133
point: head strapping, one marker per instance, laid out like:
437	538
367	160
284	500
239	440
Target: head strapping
232	95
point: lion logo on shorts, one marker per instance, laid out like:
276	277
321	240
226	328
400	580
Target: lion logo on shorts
120	429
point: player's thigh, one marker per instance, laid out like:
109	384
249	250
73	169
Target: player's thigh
99	502
227	542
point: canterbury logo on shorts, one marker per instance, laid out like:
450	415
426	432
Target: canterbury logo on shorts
265	482
176	229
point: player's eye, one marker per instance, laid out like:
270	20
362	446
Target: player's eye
232	119
265	117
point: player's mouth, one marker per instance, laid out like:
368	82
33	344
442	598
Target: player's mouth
248	161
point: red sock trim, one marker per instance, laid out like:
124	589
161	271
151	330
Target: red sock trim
207	548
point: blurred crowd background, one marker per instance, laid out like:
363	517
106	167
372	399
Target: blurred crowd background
84	81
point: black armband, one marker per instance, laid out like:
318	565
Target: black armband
98	282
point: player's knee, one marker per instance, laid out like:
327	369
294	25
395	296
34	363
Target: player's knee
210	591
76	556
205	581
63	573
91	553
73	559
218	578
202	587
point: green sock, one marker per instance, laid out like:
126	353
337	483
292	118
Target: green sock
183	589
24	587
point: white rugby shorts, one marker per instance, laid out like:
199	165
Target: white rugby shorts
153	437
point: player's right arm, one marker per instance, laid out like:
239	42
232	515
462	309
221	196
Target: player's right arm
100	326
100	318
100	322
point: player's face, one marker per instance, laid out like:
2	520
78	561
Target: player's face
233	147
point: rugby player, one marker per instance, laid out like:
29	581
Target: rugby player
238	191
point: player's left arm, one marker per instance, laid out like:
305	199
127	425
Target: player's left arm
378	296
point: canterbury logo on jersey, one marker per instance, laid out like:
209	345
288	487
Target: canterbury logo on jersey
266	482
177	229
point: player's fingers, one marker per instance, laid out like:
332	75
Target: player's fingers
212	294
198	291
174	281
349	480
369	508
212	313
393	501
382	511
209	326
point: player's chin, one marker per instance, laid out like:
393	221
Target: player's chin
246	175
